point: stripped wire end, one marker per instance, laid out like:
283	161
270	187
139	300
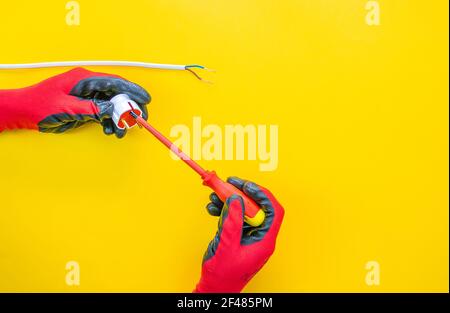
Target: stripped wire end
190	67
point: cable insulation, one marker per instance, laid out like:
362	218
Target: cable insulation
93	63
161	66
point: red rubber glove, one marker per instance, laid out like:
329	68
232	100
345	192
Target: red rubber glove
239	251
67	101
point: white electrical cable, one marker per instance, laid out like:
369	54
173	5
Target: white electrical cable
93	63
175	67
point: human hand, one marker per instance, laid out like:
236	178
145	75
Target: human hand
239	251
67	101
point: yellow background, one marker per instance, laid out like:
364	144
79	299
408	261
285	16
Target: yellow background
363	144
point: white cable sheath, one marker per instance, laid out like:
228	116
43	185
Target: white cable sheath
93	63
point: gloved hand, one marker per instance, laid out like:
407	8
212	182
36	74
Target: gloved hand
67	101
239	251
